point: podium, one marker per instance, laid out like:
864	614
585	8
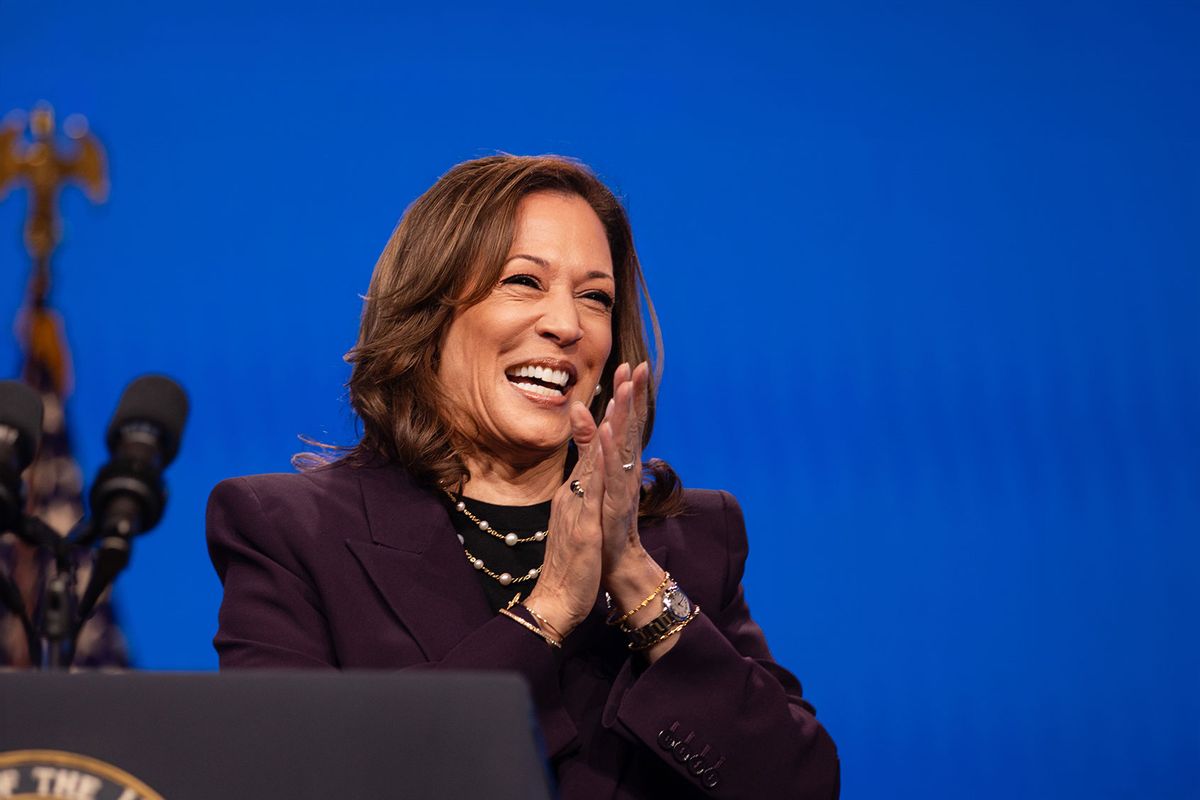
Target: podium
178	736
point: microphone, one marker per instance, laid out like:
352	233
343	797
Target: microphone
20	436
128	495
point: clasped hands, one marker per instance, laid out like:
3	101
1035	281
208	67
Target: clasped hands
594	541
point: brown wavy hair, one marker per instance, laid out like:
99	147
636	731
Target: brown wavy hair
446	254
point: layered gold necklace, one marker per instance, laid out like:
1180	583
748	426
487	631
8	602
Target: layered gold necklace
512	539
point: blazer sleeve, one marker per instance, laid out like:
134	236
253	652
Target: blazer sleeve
719	710
272	616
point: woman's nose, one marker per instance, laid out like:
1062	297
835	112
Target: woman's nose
560	320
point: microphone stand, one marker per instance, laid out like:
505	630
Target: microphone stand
56	643
52	637
58	608
112	557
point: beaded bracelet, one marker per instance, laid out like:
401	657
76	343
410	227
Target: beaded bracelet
550	640
618	620
668	633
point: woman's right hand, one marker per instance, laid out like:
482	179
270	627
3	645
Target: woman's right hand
570	578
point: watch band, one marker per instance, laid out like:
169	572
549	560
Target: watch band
640	638
668	633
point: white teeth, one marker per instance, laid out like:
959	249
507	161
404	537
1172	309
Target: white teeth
561	377
537	388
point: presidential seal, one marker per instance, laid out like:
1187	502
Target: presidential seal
58	775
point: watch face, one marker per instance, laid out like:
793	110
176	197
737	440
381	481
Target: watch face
677	603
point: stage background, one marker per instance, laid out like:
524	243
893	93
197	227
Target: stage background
928	276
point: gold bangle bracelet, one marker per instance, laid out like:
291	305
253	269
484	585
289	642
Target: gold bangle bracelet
549	639
543	623
618	620
668	633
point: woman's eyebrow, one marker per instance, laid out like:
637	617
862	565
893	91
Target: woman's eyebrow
541	262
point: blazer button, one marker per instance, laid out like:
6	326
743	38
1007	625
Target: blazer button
710	777
667	738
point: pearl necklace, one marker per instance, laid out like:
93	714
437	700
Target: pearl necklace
511	539
503	578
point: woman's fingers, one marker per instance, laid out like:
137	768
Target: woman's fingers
583	427
588	475
621	486
570	577
593	517
629	417
621	374
626	415
617	483
592	482
620	432
641	402
620	412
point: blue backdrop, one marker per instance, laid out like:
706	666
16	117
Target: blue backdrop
929	277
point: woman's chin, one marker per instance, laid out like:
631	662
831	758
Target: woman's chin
537	442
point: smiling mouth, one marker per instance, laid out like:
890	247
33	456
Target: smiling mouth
544	381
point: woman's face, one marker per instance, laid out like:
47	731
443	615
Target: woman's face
512	364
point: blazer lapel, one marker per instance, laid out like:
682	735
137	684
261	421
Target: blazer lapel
416	563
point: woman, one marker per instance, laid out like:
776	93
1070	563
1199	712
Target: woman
500	376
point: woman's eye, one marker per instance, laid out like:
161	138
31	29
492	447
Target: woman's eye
521	280
604	298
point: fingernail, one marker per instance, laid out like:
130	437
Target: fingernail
611	404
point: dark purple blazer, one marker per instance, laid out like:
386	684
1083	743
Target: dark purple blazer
360	568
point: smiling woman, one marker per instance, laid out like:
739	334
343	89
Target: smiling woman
490	229
496	513
512	363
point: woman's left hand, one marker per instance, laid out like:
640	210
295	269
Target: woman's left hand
620	434
629	574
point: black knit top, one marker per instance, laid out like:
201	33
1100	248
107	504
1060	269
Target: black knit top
516	560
